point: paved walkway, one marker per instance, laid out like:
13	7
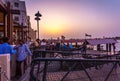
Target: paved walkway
25	77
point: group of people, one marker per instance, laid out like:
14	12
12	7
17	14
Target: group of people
50	45
56	45
67	46
20	51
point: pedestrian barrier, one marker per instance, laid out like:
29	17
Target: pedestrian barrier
78	69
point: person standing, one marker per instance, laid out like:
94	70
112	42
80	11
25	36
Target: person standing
22	51
43	47
6	48
84	47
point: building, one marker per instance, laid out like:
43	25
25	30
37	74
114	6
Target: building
3	25
18	9
14	21
22	26
31	35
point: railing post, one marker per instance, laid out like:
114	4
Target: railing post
110	71
86	71
73	66
45	71
38	69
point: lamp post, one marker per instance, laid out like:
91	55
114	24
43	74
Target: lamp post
37	18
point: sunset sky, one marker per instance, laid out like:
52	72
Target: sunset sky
74	18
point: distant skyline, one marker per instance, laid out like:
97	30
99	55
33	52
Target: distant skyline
74	18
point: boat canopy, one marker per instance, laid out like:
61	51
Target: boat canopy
101	41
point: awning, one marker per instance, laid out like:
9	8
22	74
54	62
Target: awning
101	41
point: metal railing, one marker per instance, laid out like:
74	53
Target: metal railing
40	67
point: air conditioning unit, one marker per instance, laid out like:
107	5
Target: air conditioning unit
4	67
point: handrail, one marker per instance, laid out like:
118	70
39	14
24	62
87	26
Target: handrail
76	59
46	60
64	53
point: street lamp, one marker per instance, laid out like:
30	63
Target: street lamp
37	18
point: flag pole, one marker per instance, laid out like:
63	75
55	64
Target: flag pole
85	36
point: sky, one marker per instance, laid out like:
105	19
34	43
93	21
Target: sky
74	18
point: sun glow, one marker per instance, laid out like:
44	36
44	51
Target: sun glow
55	25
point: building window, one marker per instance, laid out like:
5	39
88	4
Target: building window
16	4
16	18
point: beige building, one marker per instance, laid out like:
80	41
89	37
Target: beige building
31	32
14	21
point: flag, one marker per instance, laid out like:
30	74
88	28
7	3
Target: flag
87	35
